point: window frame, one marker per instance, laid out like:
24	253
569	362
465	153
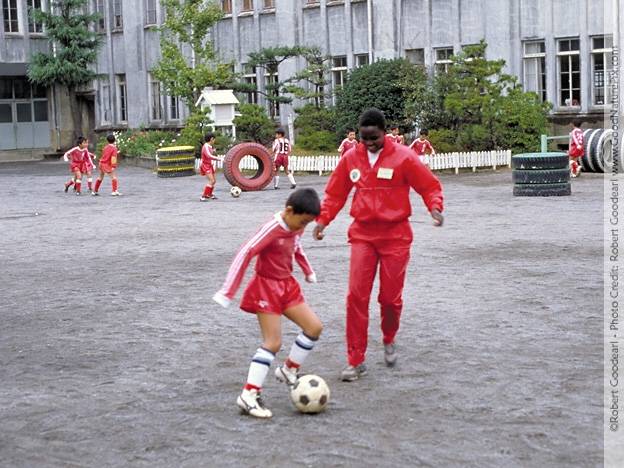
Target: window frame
173	102
606	51
122	98
443	62
99	6
155	101
247	6
226	7
117	17
34	28
568	55
532	56
151	13
7	8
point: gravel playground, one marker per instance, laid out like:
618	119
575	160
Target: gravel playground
112	352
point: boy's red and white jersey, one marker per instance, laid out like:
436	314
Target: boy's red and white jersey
77	155
275	245
108	153
576	148
346	145
281	146
421	146
208	154
398	139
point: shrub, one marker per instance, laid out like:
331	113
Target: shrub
323	140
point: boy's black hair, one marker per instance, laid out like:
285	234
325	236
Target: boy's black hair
110	138
577	123
392	127
280	131
373	118
350	129
305	201
424	131
80	140
208	136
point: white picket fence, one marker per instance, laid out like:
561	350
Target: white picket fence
457	161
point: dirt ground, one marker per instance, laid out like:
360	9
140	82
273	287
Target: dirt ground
113	354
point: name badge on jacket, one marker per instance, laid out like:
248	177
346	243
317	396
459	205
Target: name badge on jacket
385	173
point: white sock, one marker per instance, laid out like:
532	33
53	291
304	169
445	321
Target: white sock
276	181
291	177
300	349
259	367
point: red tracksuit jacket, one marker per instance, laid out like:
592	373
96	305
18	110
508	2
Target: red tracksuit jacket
381	192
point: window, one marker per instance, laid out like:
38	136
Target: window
568	54
105	103
150	12
534	61
602	50
415	56
21	102
155	104
174	108
361	59
268	4
443	59
123	98
117	15
226	6
34	26
9	12
247	5
100	25
249	77
339	71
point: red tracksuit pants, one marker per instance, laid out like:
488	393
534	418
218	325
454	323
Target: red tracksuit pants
368	251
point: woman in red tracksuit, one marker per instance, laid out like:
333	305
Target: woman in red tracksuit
382	173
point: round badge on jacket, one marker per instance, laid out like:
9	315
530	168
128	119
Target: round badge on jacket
354	175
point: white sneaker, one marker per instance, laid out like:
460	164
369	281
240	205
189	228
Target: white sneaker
115	194
286	374
250	402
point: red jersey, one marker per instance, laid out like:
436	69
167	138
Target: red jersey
346	145
275	245
396	138
576	148
281	146
421	147
108	153
207	155
77	155
381	191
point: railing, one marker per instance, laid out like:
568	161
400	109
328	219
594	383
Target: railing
457	161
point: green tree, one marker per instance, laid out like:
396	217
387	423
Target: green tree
253	124
315	75
189	63
74	49
375	85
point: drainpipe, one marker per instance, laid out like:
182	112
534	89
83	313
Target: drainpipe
369	11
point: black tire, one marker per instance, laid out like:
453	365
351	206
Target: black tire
175	150
176	162
585	159
541	176
540	161
177	173
542	190
260	179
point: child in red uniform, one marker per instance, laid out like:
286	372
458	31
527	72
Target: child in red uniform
421	145
108	164
273	292
575	148
394	135
76	157
347	143
281	151
88	166
382	173
207	169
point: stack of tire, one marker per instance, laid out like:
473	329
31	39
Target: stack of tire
541	174
258	179
175	161
598	149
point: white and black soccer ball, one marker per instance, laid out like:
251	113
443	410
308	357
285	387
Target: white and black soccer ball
310	394
235	191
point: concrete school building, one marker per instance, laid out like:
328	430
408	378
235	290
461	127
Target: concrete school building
561	49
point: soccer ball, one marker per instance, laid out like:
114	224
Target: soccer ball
310	394
235	191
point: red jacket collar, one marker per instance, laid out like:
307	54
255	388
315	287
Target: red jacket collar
389	148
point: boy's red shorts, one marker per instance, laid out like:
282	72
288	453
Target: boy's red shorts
75	167
271	296
86	167
206	169
106	168
281	160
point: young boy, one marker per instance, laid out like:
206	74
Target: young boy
207	169
421	145
107	165
380	235
272	292
395	136
575	148
88	166
281	151
76	157
347	143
